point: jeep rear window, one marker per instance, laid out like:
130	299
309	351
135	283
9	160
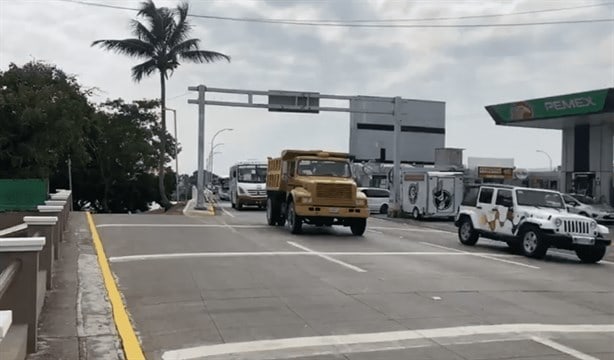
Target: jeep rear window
470	196
539	198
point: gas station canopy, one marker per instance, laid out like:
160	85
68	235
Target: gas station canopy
557	112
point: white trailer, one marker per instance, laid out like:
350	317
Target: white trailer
431	194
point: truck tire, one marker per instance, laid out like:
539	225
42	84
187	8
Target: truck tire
466	233
590	254
239	205
533	243
358	226
294	221
272	211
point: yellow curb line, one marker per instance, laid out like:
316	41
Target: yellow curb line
130	343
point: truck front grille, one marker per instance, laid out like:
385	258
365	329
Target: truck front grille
580	227
334	191
257	192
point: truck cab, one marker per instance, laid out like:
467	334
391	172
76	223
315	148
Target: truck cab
248	184
314	187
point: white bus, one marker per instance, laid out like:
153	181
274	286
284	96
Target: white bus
248	184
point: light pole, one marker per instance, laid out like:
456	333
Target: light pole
176	158
210	162
211	152
548	155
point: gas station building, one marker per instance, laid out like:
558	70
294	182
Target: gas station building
587	122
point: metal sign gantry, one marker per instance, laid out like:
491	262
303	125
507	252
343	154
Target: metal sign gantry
298	102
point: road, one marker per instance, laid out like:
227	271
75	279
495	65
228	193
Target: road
230	287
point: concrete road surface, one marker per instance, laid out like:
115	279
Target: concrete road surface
231	287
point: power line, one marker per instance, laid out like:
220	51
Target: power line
347	24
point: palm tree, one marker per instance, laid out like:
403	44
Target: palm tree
162	40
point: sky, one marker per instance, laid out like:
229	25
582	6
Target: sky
467	68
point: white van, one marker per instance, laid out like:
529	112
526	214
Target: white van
378	199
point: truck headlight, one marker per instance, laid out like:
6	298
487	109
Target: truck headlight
241	190
306	200
558	222
593	224
361	202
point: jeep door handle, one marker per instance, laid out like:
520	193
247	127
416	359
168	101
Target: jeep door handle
478	207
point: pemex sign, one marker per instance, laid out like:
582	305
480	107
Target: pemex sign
583	103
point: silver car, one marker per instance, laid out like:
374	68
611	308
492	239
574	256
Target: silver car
587	206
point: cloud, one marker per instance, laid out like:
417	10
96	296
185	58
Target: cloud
466	68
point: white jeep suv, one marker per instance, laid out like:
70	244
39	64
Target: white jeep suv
529	220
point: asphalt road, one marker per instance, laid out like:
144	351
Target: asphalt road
230	287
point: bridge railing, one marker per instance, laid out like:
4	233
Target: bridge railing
28	251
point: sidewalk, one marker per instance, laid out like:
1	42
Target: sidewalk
76	321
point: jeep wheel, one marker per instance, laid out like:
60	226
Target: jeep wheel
590	254
294	221
358	226
533	245
466	233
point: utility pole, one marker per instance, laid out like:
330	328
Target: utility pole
200	195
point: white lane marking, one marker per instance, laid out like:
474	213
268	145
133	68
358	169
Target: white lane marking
227	212
370	338
408	228
562	348
323	256
482	255
143	257
573	256
374	231
254	226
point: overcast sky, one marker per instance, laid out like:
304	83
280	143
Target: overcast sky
467	68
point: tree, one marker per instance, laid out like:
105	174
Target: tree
43	116
162	40
123	147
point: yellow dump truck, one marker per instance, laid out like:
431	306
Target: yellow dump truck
314	187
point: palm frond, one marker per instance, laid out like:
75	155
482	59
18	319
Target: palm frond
143	69
182	28
191	44
142	32
203	56
152	14
131	47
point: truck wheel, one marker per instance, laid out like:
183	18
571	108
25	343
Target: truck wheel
239	205
272	212
294	221
232	202
533	245
590	254
384	209
466	233
416	214
358	226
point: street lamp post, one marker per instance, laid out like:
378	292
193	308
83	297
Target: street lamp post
211	152
176	158
548	155
210	163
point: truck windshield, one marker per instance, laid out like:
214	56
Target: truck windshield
539	198
324	168
251	174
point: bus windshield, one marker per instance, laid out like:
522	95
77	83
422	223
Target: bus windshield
251	174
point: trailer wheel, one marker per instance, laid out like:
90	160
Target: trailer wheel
416	214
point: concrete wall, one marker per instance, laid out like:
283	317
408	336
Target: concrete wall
12	218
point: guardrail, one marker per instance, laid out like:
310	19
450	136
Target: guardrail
27	254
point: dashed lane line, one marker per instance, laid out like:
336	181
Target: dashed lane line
482	256
562	348
326	257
